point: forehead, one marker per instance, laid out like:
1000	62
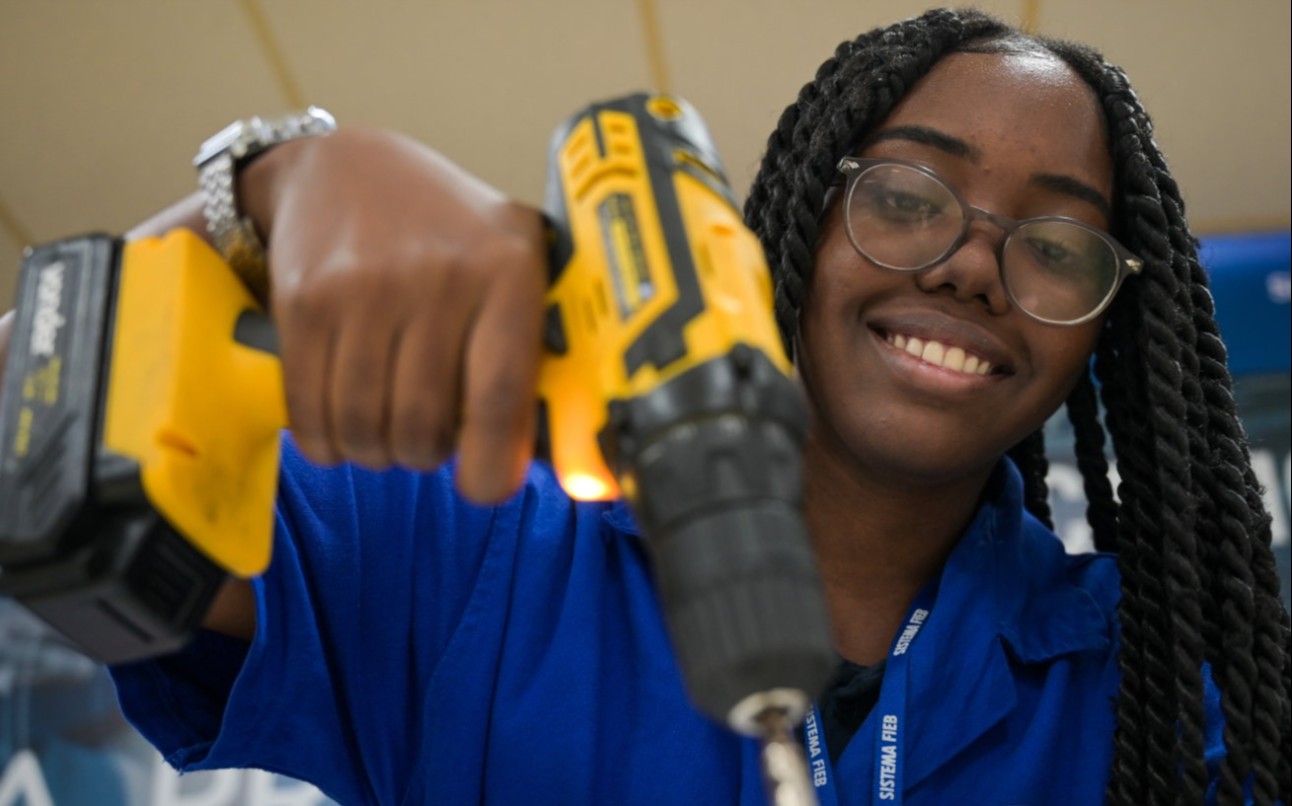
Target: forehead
1022	109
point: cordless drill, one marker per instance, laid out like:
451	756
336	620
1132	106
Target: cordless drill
665	381
127	490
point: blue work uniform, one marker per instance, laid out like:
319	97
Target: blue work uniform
413	648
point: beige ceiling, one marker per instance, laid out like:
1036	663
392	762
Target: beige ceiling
105	101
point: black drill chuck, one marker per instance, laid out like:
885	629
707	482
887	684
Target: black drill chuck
718	496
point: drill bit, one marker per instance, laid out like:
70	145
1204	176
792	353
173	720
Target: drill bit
785	771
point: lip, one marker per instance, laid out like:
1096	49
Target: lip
926	378
933	325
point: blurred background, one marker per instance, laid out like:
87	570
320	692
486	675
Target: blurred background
105	103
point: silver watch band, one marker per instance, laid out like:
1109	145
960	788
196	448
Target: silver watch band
234	235
218	162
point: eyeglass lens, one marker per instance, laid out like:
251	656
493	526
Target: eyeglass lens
903	218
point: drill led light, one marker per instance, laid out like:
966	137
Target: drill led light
585	487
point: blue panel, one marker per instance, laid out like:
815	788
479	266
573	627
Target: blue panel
1250	281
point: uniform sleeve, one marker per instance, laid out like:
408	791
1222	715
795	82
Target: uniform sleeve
370	576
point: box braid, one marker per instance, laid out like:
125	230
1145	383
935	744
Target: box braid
1214	532
1199	585
1030	457
1092	462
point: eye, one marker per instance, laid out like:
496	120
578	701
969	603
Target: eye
1053	254
901	206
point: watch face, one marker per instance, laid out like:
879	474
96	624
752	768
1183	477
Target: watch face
221	141
246	138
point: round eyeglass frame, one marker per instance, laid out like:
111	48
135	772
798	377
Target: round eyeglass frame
853	168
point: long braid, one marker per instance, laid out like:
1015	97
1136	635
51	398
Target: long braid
1284	749
1235	664
1232	531
1144	766
1126	783
1270	640
1092	461
1248	648
1165	305
1029	455
1199	583
1175	553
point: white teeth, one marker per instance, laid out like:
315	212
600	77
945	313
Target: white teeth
939	355
955	359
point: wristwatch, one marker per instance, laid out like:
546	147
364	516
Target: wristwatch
218	162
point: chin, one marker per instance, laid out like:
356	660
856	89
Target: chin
896	456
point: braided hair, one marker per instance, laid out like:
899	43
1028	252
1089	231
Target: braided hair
1200	592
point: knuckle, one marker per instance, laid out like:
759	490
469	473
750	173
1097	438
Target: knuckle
424	453
421	437
522	259
387	281
355	429
500	254
364	379
513	250
306	305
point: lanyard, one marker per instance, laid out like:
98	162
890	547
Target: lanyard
819	765
889	718
890	711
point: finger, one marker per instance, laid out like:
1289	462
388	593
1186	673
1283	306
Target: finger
361	369
424	399
306	343
496	439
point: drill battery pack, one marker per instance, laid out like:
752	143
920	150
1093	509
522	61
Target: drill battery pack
129	484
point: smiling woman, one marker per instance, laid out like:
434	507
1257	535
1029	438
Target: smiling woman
1025	127
1000	124
1004	215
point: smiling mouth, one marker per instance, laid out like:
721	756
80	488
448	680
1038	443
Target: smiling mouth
944	356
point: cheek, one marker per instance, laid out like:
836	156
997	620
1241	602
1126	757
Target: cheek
822	345
1066	355
810	344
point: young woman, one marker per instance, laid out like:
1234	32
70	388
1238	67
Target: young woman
958	217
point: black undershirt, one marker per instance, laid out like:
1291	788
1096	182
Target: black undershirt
852	694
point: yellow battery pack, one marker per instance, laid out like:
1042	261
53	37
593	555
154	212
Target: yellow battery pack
196	405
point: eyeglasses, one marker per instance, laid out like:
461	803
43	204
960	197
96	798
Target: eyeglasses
904	217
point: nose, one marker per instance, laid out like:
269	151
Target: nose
972	272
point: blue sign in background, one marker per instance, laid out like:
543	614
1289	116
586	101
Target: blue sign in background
1250	282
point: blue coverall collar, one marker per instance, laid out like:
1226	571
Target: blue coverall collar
1004	599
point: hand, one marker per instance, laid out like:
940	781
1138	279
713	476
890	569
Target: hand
408	297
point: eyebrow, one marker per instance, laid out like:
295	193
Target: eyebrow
926	136
956	147
1074	187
